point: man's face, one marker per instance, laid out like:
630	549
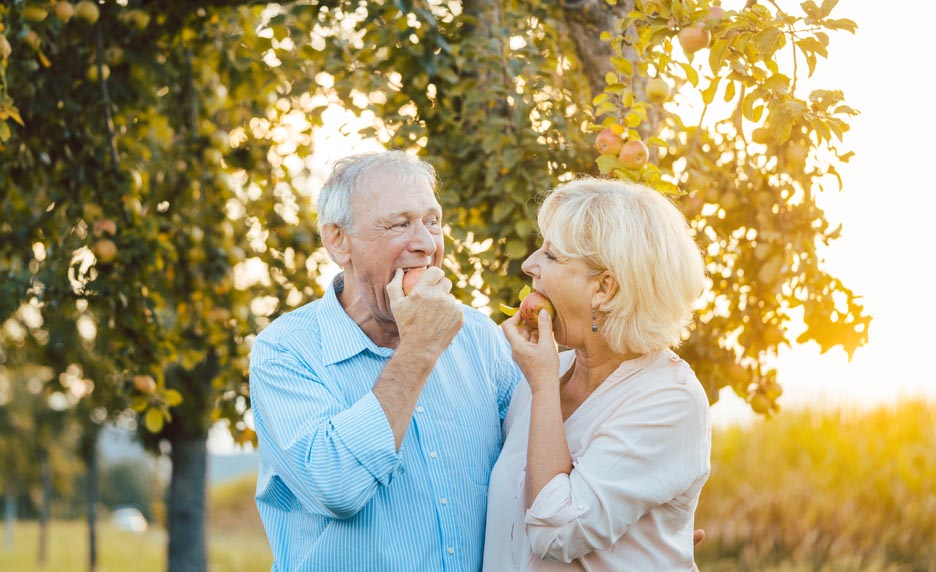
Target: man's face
397	224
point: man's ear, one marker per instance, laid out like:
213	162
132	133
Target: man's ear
606	290
336	241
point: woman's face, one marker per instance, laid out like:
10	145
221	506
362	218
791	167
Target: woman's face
569	283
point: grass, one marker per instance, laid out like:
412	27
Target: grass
839	491
121	551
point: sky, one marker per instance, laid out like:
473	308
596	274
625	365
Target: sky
887	208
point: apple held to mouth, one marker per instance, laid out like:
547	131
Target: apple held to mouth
531	302
410	278
530	308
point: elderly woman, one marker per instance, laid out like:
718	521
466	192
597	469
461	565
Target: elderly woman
608	444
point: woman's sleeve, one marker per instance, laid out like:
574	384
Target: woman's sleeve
645	456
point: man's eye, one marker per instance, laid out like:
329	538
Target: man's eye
549	255
401	225
432	223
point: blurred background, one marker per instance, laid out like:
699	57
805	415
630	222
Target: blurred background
837	473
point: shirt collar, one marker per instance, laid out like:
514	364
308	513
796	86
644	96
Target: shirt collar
342	338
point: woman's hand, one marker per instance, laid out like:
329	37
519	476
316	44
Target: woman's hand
534	351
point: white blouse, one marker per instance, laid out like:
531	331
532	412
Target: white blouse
640	446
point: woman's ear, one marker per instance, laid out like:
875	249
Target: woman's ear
606	290
335	240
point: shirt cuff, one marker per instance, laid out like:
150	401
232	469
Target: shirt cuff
365	432
555	505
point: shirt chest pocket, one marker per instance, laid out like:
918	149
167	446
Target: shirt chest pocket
472	439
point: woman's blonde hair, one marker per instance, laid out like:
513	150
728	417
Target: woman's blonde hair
643	240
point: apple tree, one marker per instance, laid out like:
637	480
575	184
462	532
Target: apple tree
155	212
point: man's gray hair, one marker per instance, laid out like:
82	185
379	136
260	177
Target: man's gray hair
351	173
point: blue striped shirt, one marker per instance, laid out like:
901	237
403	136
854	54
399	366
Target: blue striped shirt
333	493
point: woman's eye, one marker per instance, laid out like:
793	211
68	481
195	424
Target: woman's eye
548	255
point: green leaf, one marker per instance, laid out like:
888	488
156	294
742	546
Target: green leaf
502	209
607	163
516	248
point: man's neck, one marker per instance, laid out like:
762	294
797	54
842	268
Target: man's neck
383	333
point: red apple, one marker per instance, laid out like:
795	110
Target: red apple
104	226
88	11
634	154
64	11
411	278
530	308
105	251
693	38
608	142
145	384
657	90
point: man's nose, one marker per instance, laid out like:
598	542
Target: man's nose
422	240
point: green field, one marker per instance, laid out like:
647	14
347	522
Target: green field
121	551
831	492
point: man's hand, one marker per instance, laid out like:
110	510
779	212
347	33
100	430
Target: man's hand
430	316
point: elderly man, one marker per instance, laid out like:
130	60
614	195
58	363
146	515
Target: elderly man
379	415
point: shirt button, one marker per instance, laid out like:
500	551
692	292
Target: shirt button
451	550
433	454
443	500
581	507
420	409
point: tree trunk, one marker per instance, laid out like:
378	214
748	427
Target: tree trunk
45	471
9	518
89	454
587	19
186	505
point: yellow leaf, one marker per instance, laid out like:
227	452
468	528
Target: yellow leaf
692	76
173	397
524	291
709	94
15	116
44	60
153	420
509	310
729	91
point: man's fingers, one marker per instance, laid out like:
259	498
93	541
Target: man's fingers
395	287
698	536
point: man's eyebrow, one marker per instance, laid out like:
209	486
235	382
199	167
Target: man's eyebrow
408	213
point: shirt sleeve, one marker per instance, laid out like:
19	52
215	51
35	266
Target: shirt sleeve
331	456
647	455
508	373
